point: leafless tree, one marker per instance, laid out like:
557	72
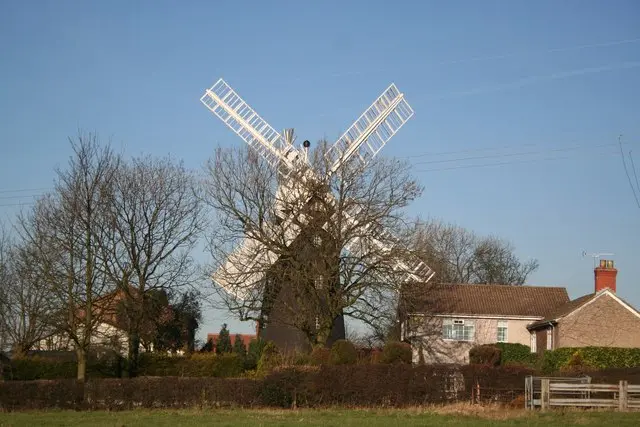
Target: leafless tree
156	219
67	229
333	266
25	307
4	281
458	255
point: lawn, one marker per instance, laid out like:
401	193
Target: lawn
452	416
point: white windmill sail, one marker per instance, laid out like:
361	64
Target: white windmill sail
373	129
250	261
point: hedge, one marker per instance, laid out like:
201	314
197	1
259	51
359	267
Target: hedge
379	385
516	354
38	368
486	354
589	358
503	354
396	352
196	365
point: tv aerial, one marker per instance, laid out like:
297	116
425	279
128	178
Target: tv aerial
596	256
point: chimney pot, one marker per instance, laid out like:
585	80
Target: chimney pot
605	276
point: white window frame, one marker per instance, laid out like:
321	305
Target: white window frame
533	341
458	329
550	339
502	325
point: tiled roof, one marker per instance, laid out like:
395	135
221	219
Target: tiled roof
564	309
499	300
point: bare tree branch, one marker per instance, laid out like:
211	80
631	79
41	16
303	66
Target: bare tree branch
331	263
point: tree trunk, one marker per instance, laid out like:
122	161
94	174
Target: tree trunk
134	352
82	364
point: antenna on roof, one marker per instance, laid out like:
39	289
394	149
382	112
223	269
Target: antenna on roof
596	256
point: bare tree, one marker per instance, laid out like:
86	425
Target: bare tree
156	219
26	307
67	229
315	246
459	255
4	282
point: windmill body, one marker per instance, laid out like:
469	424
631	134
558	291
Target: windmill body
253	262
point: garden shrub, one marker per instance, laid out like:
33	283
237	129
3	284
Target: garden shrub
254	352
343	352
516	354
269	359
486	354
320	356
396	352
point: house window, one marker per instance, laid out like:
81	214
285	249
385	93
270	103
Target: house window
549	339
502	331
533	342
458	329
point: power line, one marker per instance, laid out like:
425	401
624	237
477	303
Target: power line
17	204
484	165
22	196
24	190
626	171
501	155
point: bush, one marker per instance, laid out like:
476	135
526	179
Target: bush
196	365
486	354
516	354
269	359
254	352
320	356
343	352
563	359
396	352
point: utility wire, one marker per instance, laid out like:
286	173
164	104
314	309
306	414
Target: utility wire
626	171
501	155
24	190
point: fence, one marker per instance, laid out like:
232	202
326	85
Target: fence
555	393
533	387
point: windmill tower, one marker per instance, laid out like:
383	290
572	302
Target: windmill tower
361	142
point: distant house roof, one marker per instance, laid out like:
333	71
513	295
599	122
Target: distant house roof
498	300
568	308
246	338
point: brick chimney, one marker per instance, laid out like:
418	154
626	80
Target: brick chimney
605	275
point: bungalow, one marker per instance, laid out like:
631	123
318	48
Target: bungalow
446	321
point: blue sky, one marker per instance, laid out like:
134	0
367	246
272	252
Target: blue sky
518	104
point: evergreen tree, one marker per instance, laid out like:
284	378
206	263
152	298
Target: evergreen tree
254	353
224	341
238	346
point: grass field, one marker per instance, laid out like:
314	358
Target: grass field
448	416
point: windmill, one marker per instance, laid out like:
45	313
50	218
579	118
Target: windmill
361	142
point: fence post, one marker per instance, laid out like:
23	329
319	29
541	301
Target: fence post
544	394
623	396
